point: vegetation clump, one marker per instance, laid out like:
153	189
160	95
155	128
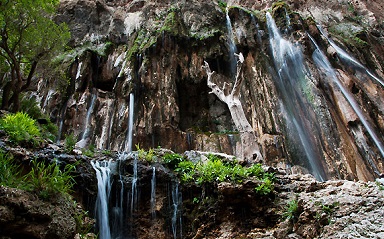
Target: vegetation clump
9	171
20	128
28	36
215	170
49	180
46	180
292	211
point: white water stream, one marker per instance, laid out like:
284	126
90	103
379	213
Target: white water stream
103	174
292	74
153	193
87	128
324	65
231	44
344	55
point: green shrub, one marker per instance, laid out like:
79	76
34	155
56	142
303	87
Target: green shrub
148	156
90	151
70	142
30	106
215	170
9	172
266	187
172	159
49	180
292	211
20	128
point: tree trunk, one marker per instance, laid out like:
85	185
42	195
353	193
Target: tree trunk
250	147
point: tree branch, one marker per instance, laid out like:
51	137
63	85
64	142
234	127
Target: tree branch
215	89
237	86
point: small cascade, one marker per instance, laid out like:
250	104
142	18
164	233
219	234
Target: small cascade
153	193
61	121
291	76
78	73
323	64
176	212
87	128
288	21
231	44
128	144
134	186
103	174
257	28
345	56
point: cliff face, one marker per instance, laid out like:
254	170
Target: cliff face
299	112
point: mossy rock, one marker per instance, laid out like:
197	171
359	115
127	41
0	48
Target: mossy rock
350	33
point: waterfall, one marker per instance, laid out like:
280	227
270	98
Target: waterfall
231	44
291	76
87	128
153	193
128	145
78	73
323	64
134	187
176	212
61	121
103	172
344	55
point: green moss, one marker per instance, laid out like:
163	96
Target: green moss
143	41
222	5
206	33
349	33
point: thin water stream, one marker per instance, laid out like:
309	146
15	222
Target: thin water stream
291	76
323	64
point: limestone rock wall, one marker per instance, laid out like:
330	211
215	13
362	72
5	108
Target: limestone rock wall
155	50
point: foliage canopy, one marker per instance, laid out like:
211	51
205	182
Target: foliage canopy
28	35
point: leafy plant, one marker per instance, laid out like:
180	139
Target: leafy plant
107	152
49	180
222	4
292	211
172	159
70	142
266	187
90	151
145	155
20	128
215	170
9	172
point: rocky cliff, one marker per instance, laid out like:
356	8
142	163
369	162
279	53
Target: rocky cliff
328	122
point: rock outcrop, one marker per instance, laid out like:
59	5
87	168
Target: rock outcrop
331	209
24	215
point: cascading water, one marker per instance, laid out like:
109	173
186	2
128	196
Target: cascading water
61	122
291	75
231	45
153	193
344	55
176	212
87	128
111	218
325	66
128	145
103	174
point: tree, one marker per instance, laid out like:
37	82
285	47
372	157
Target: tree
28	35
250	147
